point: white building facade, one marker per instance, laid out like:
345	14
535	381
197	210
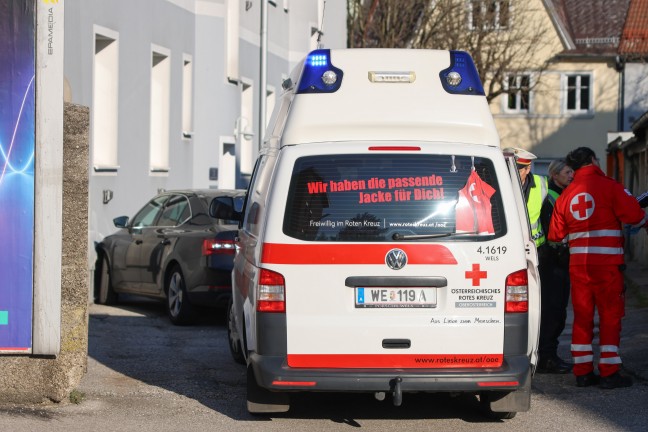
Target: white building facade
173	88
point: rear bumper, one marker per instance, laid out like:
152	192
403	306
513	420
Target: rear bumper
211	296
213	288
272	373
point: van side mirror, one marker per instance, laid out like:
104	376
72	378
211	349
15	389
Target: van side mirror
223	208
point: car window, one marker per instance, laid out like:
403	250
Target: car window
176	212
380	197
148	215
254	207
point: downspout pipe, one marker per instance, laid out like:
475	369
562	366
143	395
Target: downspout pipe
620	68
263	75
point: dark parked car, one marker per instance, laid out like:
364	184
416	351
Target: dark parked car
174	250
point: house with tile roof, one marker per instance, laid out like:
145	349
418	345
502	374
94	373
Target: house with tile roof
575	100
633	49
628	153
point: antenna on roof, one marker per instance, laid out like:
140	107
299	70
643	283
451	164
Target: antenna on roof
320	31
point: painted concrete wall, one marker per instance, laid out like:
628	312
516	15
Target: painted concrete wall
635	93
195	28
547	130
27	379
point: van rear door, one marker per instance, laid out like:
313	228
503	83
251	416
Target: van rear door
532	262
394	256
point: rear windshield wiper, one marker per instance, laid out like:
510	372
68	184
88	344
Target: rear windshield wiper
398	236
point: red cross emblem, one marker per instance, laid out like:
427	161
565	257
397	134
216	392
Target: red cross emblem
476	275
582	206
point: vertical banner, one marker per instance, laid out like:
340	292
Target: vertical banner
48	177
31	175
17	147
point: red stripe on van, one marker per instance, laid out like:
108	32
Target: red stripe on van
409	361
344	253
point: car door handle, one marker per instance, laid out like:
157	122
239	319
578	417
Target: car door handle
165	242
138	241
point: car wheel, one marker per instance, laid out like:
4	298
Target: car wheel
235	345
106	295
178	306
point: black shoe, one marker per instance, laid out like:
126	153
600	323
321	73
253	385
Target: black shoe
587	380
554	365
615	380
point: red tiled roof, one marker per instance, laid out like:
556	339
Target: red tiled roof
634	40
595	26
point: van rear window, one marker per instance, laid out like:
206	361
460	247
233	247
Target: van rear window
387	197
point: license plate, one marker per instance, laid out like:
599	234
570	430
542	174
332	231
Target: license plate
395	297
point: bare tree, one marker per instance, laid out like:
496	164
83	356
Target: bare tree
503	36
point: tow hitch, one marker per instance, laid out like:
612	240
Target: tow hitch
397	394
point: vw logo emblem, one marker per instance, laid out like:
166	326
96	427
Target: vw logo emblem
396	259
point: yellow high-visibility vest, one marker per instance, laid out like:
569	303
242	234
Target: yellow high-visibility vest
537	195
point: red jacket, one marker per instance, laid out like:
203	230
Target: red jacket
590	213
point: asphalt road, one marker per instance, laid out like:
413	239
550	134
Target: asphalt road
145	374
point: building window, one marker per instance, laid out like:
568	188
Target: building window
187	98
271	101
227	164
519	93
105	101
246	127
232	38
578	93
489	14
159	109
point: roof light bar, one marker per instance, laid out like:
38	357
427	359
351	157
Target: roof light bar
319	75
461	77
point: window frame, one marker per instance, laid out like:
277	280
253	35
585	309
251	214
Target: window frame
105	104
330	205
518	94
496	25
154	205
564	84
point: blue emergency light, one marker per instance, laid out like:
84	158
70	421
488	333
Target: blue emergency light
319	75
461	77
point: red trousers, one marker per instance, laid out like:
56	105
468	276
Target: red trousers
599	286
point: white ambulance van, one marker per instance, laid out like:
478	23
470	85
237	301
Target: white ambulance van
384	245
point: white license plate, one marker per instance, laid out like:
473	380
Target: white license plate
395	297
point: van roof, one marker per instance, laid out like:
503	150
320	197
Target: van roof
383	94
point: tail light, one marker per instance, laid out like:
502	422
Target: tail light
517	292
271	295
216	246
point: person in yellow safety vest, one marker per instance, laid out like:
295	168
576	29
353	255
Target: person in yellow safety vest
536	189
554	277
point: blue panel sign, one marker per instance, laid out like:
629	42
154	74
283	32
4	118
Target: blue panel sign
17	143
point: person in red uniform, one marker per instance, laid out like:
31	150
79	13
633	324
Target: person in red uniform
590	213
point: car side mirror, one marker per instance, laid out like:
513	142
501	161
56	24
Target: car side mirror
223	208
121	221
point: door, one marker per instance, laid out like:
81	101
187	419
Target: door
383	265
157	239
532	262
127	261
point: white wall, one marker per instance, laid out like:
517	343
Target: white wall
194	29
636	93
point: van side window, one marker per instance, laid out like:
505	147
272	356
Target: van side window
254	207
370	198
